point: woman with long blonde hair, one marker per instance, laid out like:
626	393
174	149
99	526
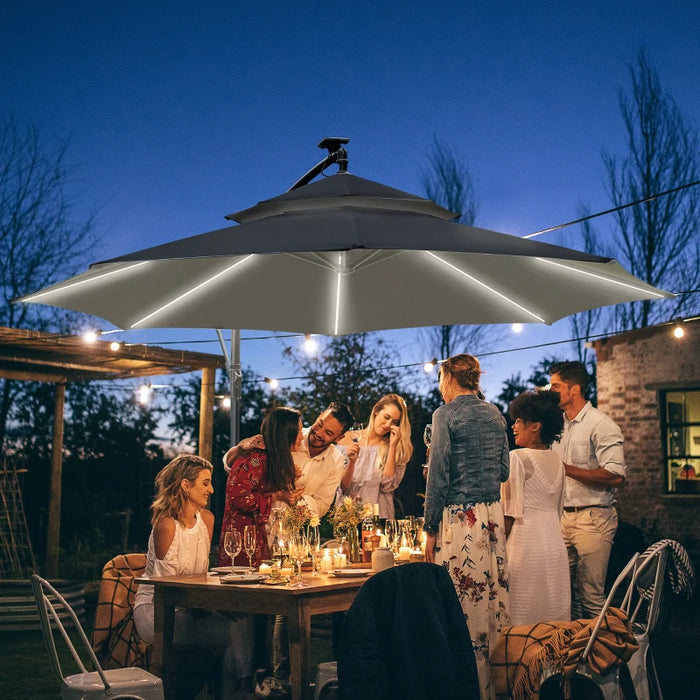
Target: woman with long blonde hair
179	544
385	448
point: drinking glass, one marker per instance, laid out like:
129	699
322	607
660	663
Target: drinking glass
412	530
313	541
249	544
232	544
391	527
356	431
298	549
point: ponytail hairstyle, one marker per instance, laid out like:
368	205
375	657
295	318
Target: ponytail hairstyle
465	369
169	501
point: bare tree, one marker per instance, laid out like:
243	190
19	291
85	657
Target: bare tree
447	181
39	241
659	240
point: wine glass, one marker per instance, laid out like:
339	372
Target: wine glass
249	544
232	544
313	540
298	549
412	530
391	527
356	431
428	434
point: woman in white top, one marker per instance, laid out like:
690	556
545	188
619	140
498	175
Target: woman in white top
385	448
533	498
179	544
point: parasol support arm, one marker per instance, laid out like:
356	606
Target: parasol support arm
336	154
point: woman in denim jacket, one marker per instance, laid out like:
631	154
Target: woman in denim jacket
463	515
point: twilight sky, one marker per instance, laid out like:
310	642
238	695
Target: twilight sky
181	112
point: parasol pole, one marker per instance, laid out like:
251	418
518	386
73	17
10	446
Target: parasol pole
235	377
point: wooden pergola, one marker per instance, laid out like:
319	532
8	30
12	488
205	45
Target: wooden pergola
27	355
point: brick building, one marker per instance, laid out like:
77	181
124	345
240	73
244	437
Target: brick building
649	384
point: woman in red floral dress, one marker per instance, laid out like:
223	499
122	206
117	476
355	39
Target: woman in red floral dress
259	477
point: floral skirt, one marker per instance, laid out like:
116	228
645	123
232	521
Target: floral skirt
471	545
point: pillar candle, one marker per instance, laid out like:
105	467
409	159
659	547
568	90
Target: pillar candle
404	553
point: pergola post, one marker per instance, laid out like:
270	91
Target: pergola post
206	413
54	525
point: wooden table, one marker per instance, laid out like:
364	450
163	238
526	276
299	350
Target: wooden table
326	594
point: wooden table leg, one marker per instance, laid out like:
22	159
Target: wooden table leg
299	631
164	663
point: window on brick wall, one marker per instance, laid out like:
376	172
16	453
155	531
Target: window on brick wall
681	439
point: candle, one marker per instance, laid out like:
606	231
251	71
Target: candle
265	569
286	571
341	561
376	509
404	553
326	562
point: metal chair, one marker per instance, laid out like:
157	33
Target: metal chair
643	602
135	683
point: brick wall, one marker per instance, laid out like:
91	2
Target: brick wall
632	367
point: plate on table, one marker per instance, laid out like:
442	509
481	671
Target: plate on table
243	578
350	573
227	570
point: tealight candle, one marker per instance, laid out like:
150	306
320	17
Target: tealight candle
326	562
341	561
404	553
286	571
265	569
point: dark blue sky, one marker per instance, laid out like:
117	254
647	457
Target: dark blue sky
181	112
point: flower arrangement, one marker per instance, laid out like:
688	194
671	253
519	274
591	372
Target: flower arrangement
296	516
350	512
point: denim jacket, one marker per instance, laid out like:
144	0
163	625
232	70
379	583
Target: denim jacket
468	456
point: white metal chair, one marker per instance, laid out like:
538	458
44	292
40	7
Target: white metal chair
645	580
135	683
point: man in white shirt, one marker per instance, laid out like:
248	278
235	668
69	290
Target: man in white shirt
591	449
319	463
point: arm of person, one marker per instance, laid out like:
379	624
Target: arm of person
163	535
352	451
439	471
611	471
208	518
391	483
512	491
246	445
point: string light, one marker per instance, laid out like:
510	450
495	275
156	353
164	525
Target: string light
144	393
678	330
428	366
517	328
114	346
91	336
310	344
274	383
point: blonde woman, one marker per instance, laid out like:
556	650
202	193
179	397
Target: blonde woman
179	544
385	448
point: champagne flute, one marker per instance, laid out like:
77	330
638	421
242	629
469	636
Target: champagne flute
232	544
313	540
412	530
298	549
249	544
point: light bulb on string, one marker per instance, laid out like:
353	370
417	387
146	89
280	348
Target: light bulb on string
428	366
678	330
91	336
272	382
226	402
310	344
144	393
114	346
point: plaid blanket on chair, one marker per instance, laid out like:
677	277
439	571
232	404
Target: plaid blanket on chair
114	638
524	653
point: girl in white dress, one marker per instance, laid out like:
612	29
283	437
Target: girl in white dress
533	498
385	448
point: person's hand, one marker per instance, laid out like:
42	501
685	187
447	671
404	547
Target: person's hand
252	443
291	498
430	540
352	451
394	435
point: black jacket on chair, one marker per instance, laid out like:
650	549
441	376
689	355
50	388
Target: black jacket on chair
405	637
